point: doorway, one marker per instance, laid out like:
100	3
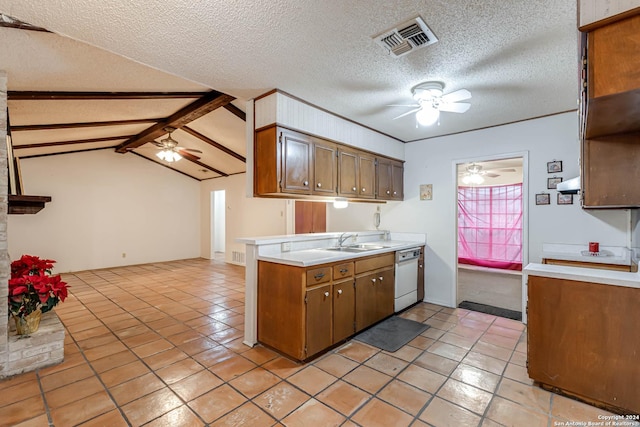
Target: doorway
218	224
491	231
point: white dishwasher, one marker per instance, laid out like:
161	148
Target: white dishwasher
406	285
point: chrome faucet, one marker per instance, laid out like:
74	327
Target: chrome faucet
344	236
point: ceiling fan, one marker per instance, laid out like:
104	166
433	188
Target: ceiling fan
474	173
169	150
431	101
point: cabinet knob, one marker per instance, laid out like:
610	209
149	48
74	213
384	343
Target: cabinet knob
394	193
381	278
388	191
318	276
344	270
339	291
374	280
326	294
364	189
420	265
305	183
354	189
319	185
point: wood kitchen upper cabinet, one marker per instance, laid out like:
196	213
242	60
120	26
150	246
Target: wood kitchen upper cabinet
296	162
293	163
582	341
610	129
325	168
390	179
356	174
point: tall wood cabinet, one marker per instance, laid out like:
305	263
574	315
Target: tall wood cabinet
582	341
304	311
610	129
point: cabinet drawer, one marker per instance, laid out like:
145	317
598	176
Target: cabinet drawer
376	262
343	270
319	275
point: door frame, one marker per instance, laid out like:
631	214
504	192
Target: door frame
525	216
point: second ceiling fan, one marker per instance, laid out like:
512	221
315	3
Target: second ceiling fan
170	152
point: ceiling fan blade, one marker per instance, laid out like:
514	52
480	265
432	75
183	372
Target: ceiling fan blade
403	105
456	107
506	170
407	113
187	155
158	144
492	175
193	150
457	95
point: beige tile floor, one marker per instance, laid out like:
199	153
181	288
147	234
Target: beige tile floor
161	345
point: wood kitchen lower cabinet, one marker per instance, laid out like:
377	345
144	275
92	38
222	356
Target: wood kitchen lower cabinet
303	311
374	289
583	341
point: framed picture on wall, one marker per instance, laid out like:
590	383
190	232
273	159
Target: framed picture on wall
552	183
565	199
554	166
543	199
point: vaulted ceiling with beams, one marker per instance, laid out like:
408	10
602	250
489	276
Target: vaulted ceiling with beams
123	106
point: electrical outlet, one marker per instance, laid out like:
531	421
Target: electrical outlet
285	246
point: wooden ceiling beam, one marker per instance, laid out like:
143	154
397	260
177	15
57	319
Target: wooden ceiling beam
83	124
202	106
14	95
213	143
236	111
78	141
195	160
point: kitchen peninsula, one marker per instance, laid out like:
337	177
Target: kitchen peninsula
373	250
582	331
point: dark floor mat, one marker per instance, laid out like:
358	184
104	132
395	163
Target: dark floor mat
393	333
489	309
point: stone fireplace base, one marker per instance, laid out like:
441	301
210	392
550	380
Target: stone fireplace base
43	348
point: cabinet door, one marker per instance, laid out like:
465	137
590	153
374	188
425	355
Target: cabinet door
296	163
397	181
383	179
365	300
421	276
384	294
348	173
344	306
324	169
319	319
366	176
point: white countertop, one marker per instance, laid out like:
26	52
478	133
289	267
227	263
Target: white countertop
614	255
581	274
310	257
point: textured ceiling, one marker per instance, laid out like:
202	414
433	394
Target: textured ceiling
518	58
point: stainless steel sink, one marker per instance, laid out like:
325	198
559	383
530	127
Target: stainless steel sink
362	247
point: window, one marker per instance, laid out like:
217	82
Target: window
490	226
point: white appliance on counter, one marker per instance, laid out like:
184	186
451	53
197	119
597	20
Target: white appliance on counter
406	284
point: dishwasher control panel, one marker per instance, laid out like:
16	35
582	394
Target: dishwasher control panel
407	254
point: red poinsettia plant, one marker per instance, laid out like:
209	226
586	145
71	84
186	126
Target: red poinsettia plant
32	286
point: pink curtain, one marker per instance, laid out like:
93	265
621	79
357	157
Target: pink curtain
490	226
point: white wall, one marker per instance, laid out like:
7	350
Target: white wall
433	161
245	216
105	204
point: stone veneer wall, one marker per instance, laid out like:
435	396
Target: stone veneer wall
4	255
46	347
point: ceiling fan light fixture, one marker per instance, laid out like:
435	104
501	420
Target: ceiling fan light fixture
169	156
427	115
472	178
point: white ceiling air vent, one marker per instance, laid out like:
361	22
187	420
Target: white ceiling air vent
406	37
